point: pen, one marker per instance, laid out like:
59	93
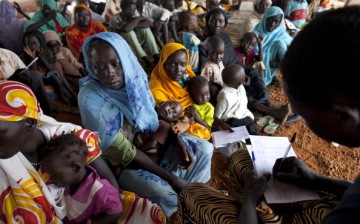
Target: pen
288	149
253	159
33	61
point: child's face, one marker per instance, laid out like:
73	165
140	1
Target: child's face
53	46
247	44
169	5
130	10
61	173
194	23
217	53
200	95
170	110
32	43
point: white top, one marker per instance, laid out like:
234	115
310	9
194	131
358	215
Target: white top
154	12
9	63
232	103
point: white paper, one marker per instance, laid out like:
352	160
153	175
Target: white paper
266	150
222	138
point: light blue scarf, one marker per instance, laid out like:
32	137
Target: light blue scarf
275	43
103	110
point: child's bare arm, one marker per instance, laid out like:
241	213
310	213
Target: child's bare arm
103	218
259	40
192	112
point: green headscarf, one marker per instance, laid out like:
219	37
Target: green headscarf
39	16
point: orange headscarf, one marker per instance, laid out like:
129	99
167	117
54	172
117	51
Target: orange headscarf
17	102
162	87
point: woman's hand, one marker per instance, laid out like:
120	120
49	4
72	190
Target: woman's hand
32	54
293	171
181	126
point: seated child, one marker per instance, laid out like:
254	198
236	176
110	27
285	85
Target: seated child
214	65
248	54
201	111
190	27
231	106
174	18
87	196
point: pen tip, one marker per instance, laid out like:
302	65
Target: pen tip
293	138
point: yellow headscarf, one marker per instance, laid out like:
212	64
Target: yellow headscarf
162	87
17	102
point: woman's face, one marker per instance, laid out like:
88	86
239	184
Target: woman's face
32	43
216	23
53	46
175	65
46	10
13	136
82	17
273	22
107	66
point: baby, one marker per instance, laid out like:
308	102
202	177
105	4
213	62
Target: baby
214	65
190	27
87	196
248	54
201	111
232	101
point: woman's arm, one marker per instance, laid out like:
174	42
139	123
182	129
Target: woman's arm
39	24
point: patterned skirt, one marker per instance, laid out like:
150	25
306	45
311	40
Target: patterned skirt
199	203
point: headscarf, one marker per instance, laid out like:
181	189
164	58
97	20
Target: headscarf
274	44
162	87
17	102
12	29
75	35
134	101
39	16
278	34
212	12
51	35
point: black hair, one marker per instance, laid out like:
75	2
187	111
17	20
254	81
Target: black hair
39	35
185	18
229	72
213	41
197	82
215	11
323	59
249	35
125	3
68	147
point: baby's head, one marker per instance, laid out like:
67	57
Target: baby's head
234	76
169	110
64	159
188	21
248	42
198	88
216	48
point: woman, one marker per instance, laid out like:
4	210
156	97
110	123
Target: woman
47	18
275	43
12	29
258	97
84	26
115	101
23	132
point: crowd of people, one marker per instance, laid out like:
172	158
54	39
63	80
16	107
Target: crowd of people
148	102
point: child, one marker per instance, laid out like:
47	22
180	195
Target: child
232	101
248	54
202	111
87	197
190	27
214	65
174	18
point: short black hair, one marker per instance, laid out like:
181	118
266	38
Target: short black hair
230	71
212	41
39	35
185	18
197	82
68	147
249	35
323	59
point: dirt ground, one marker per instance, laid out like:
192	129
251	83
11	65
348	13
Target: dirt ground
338	162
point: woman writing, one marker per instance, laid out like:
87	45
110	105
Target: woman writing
115	101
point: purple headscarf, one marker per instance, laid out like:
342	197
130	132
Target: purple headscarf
12	29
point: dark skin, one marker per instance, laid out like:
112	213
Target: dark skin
82	18
216	23
107	67
271	24
48	14
72	175
23	135
200	95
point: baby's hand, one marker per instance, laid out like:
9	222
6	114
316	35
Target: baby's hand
190	111
260	38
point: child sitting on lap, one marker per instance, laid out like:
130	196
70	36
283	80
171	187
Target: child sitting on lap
87	197
232	101
214	65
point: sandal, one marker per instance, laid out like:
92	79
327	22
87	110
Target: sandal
271	127
263	121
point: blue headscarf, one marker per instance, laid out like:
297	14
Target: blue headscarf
275	43
103	109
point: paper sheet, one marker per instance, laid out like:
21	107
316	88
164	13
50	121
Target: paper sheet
266	150
222	138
